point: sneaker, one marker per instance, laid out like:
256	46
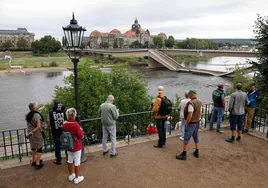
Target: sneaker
78	179
113	155
181	138
230	140
238	139
181	157
196	154
71	177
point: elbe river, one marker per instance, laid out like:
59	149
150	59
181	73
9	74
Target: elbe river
17	90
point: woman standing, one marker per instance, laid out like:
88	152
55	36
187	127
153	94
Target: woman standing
34	127
74	155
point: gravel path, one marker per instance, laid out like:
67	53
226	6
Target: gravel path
221	164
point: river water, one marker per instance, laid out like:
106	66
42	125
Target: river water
17	90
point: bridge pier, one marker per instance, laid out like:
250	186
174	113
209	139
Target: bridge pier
153	64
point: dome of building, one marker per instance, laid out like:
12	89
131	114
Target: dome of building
95	33
162	34
115	31
131	33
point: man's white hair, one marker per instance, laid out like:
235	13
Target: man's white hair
110	97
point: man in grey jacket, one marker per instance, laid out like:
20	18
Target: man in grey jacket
237	104
109	114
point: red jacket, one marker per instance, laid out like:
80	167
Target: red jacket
151	130
74	128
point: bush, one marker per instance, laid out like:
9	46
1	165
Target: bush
44	65
53	64
97	61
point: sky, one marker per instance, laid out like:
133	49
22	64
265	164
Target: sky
179	18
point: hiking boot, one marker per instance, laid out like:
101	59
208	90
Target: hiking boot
181	157
37	167
78	179
230	140
196	154
113	155
71	177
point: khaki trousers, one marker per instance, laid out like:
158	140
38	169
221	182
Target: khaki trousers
249	115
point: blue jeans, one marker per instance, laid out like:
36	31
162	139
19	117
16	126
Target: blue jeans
182	127
191	131
219	112
57	148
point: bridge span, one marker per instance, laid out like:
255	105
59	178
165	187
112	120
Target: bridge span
161	57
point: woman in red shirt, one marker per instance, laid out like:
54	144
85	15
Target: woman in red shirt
74	155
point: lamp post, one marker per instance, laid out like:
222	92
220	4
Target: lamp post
74	35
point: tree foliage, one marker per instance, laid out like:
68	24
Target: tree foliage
170	42
104	44
261	39
22	43
158	42
46	45
129	89
7	44
193	43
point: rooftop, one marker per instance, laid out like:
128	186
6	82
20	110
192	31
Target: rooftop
221	164
16	32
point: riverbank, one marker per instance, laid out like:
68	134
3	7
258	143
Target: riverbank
32	70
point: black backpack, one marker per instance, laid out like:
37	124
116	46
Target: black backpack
165	107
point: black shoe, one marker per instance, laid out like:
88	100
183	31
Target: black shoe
111	156
105	152
181	157
230	140
238	139
37	167
196	154
34	163
158	146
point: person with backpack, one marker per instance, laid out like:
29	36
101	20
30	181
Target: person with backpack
34	121
71	140
161	109
55	118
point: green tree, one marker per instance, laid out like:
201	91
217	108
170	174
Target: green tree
36	46
135	44
240	76
7	44
129	89
115	45
49	44
261	39
120	42
64	41
104	45
170	42
22	43
158	42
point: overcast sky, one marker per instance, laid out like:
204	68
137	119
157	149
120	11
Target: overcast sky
180	18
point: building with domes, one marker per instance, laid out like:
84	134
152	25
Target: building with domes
116	39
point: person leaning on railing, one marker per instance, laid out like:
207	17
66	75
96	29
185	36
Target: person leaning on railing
34	120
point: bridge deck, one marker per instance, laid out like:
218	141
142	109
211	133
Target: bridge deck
220	165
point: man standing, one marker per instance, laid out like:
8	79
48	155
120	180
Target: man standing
252	95
160	119
55	118
192	115
237	104
109	114
218	97
181	109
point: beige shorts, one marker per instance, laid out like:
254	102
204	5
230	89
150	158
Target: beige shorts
74	157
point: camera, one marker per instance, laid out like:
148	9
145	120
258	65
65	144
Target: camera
28	136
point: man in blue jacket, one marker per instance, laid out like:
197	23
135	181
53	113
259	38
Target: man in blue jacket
252	94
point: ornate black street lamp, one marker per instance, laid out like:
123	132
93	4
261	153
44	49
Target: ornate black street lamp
74	35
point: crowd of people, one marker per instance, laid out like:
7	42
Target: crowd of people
241	107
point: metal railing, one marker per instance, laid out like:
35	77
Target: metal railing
13	143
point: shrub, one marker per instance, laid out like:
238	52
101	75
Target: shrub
53	64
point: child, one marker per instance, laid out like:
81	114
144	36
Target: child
151	129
